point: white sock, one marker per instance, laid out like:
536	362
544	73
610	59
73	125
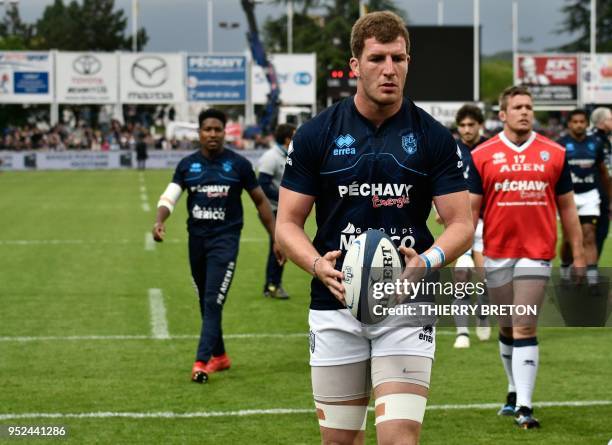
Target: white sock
461	321
463	330
565	271
505	353
592	274
525	369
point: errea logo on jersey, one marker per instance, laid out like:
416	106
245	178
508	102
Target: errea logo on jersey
289	153
344	142
499	158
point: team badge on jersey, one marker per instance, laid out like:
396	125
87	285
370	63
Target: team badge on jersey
196	167
227	166
544	155
409	143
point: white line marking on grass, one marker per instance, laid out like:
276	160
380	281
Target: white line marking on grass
159	324
273	411
149	241
255	336
142	337
36	242
252	240
144	197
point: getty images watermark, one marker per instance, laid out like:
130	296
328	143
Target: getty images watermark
392	295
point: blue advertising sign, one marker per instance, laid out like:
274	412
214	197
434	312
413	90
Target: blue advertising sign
217	79
31	82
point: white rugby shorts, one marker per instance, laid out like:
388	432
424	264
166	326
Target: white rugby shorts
500	271
478	245
587	203
337	338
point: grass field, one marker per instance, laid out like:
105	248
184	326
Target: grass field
81	347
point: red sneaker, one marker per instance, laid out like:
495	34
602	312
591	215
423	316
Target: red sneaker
199	373
218	363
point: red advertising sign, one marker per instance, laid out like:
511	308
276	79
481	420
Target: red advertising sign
551	78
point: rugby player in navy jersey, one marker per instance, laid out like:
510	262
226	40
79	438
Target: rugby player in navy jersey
585	157
373	160
214	178
601	118
469	120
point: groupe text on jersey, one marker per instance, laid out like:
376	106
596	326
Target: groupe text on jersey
363	177
214	187
519	185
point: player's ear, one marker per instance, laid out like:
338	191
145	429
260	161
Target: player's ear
502	115
354	64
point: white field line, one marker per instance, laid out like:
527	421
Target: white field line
159	324
149	243
37	242
144	197
273	411
18	339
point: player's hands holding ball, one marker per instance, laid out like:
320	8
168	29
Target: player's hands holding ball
324	269
414	271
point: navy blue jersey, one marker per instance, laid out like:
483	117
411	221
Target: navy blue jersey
583	158
213	190
604	139
365	177
466	155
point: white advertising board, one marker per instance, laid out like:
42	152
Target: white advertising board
297	77
151	78
86	78
597	79
26	77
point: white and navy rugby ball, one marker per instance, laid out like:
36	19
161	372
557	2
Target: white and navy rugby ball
371	258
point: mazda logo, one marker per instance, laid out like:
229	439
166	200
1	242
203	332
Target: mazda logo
150	71
87	65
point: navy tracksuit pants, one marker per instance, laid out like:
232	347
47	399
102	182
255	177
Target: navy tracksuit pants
213	263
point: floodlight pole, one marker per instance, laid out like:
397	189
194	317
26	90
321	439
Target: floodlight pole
290	26
476	4
593	27
440	12
134	25
210	26
515	38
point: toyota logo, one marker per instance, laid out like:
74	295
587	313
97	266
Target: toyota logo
87	65
150	71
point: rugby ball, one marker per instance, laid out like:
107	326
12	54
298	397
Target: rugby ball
372	258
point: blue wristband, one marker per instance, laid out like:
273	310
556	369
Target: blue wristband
426	260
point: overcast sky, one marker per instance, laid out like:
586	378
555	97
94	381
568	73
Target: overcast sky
181	25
